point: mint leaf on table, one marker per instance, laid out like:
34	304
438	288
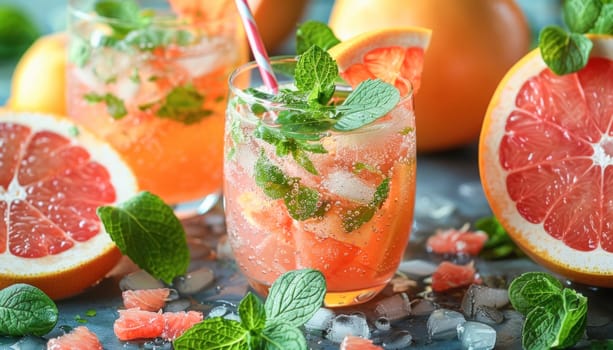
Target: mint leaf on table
147	230
115	106
295	297
556	317
214	333
252	313
499	244
292	300
564	52
371	100
26	310
281	336
316	72
314	33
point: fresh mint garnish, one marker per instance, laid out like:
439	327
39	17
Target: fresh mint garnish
499	244
26	310
555	316
566	52
125	13
182	104
114	105
314	33
316	73
367	103
147	230
293	299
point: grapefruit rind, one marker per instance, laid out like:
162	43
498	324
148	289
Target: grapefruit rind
86	262
593	267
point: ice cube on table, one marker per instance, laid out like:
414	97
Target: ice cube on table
488	315
477	295
394	308
320	321
344	325
476	336
417	267
508	333
139	279
442	324
422	307
194	281
397	339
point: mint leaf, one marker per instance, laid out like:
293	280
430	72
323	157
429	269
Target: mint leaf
215	333
150	38
183	104
146	229
270	178
563	52
573	319
295	297
251	312
371	100
114	105
499	244
533	289
539	329
79	51
301	201
25	310
126	14
316	73
314	33
361	215
604	23
580	15
280	336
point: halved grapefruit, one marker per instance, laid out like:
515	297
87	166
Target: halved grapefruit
394	55
53	176
546	163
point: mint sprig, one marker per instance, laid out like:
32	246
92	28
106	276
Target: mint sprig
499	244
293	299
147	230
182	104
555	316
314	33
26	310
567	52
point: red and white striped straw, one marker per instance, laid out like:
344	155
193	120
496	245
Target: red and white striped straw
257	46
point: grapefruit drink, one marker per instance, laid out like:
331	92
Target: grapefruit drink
302	190
152	80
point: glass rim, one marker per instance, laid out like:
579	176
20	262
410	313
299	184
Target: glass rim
77	9
251	99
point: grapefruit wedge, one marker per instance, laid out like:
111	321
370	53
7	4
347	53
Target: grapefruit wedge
546	163
53	176
394	55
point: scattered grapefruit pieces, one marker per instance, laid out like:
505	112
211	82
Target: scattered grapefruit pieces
546	163
145	299
449	276
79	338
394	55
139	324
53	176
452	241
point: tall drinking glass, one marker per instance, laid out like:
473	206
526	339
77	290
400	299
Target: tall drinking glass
153	83
338	202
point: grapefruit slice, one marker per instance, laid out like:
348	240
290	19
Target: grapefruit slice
546	163
394	55
145	299
51	182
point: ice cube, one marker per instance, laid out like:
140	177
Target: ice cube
139	280
417	268
344	325
348	185
422	307
433	207
28	342
177	305
476	336
194	281
383	324
218	311
488	315
398	339
320	320
394	308
443	323
477	295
